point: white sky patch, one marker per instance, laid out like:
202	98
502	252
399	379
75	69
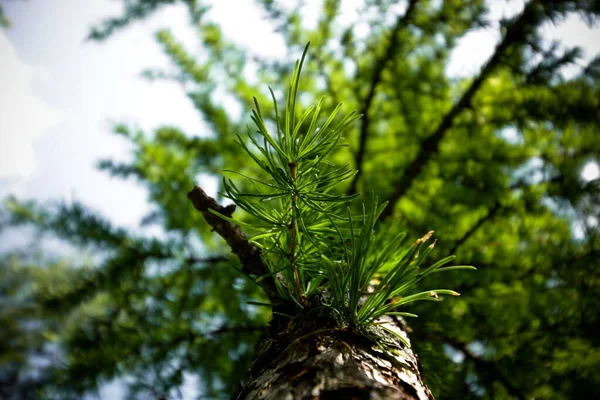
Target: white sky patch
478	45
590	171
510	134
244	23
581	228
209	183
111	390
455	355
472	51
24	115
578	231
571	32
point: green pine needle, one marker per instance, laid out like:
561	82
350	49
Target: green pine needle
305	228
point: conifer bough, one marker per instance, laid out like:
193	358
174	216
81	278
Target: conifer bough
337	286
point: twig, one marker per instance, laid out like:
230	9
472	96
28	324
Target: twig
249	254
235	329
492	211
206	260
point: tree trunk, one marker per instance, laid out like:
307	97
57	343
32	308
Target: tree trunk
313	356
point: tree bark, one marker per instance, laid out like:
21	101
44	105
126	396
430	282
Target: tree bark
312	356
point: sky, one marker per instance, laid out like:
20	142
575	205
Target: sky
60	94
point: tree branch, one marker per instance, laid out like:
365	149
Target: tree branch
206	260
516	33
375	80
493	210
190	336
225	329
249	254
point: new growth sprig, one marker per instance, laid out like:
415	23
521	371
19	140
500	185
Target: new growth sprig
294	207
380	275
308	238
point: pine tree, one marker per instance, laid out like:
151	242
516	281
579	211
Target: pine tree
492	163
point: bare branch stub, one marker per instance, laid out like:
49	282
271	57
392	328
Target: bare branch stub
249	254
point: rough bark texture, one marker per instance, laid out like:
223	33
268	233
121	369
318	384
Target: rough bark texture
312	357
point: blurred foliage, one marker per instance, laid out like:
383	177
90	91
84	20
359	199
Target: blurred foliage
493	163
4	21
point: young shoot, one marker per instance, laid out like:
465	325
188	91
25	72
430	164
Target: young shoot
308	237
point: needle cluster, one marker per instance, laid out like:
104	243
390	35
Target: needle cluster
307	234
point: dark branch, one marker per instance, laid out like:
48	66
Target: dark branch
493	211
375	80
487	217
190	337
207	260
249	255
516	33
235	330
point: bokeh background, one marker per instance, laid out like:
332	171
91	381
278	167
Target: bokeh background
112	287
